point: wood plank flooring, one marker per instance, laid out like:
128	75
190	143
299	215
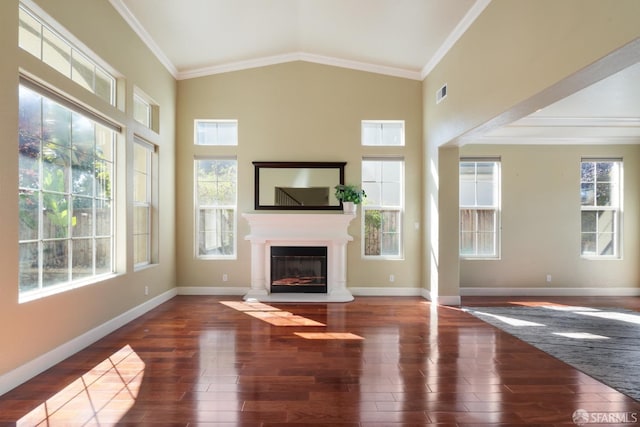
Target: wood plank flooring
377	361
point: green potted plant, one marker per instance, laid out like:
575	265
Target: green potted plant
350	196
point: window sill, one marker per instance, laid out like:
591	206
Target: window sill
141	267
382	258
54	290
217	258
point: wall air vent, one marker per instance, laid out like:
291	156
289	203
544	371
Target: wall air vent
441	94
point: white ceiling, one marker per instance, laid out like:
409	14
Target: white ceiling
404	38
398	37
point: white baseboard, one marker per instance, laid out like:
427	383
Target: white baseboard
357	291
385	292
212	290
14	378
535	292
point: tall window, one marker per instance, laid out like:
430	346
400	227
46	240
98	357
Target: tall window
383	132
383	181
216	206
53	49
66	164
142	202
601	206
479	208
216	132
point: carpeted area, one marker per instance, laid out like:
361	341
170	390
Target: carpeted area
603	343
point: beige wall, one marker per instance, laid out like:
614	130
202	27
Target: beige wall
30	329
517	57
297	112
541	220
515	50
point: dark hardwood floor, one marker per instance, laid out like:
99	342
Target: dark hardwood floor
378	361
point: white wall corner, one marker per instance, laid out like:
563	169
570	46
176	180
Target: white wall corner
452	300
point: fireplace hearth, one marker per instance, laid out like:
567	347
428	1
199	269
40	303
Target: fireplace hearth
299	269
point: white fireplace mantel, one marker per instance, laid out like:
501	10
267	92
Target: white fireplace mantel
299	229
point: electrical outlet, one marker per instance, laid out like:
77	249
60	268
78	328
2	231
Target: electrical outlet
392	278
548	278
225	277
146	290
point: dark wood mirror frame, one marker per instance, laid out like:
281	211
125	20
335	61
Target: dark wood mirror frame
264	173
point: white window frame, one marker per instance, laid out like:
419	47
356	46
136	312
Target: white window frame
41	290
616	207
140	102
496	207
215	139
78	53
149	175
221	207
368	205
381	125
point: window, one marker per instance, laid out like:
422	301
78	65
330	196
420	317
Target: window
383	132
216	132
54	50
601	207
216	199
479	208
66	164
141	110
142	202
383	182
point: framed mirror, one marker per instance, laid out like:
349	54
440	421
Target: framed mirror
297	185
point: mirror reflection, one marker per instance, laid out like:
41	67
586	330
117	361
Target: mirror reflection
297	185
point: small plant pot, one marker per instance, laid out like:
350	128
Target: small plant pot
349	207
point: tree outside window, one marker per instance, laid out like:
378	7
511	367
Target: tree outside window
216	199
383	181
65	194
600	199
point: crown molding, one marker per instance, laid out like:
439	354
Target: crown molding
478	7
137	27
299	56
555	121
553	140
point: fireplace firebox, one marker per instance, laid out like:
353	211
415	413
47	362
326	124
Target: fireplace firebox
299	269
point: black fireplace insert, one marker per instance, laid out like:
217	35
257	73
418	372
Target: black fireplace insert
299	269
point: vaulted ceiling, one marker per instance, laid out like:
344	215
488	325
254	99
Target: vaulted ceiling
404	38
399	37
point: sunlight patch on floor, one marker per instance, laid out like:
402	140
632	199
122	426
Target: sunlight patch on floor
275	316
537	304
611	315
283	318
100	397
553	306
328	336
511	320
249	306
581	335
269	314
